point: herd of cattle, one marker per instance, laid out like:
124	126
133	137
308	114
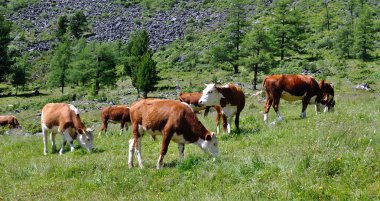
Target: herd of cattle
176	120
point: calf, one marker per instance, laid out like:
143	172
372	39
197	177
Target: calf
174	121
115	114
327	101
229	97
290	88
64	118
9	120
193	100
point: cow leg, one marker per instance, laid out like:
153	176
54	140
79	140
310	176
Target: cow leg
104	127
52	139
131	152
44	132
305	102
138	131
181	149
276	103
225	122
237	121
318	108
64	140
122	124
268	103
166	137
206	111
217	120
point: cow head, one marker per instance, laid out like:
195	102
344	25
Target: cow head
327	101
210	144
211	95
86	138
14	123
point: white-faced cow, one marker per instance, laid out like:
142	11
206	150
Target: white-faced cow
64	118
10	121
115	114
229	97
290	88
327	101
193	100
174	121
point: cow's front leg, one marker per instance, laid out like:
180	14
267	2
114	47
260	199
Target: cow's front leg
131	152
52	139
166	137
229	121
64	140
138	151
44	133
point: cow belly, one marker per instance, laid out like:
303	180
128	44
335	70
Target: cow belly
176	138
289	97
229	110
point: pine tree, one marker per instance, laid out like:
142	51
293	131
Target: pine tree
78	24
364	34
59	65
257	48
147	75
62	26
5	39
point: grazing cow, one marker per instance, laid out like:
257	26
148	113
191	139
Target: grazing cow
174	121
64	118
229	97
193	100
327	101
290	88
115	114
9	120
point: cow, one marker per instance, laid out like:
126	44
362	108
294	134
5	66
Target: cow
174	121
291	88
9	120
229	97
64	118
193	100
115	114
327	101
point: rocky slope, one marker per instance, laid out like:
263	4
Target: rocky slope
111	21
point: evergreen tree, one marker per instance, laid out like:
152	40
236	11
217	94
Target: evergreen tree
229	48
5	39
62	26
78	24
104	71
60	64
147	75
364	34
286	28
257	48
19	71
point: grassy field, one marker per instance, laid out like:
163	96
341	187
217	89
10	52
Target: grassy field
330	156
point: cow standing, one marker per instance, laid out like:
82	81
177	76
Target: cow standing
229	97
291	88
115	114
9	120
174	121
193	100
327	101
64	118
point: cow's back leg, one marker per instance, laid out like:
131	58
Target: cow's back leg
268	104
52	139
167	135
237	120
276	104
137	132
104	126
181	149
44	135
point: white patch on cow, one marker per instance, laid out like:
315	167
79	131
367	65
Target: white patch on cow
131	152
210	147
73	108
229	110
289	97
191	106
210	96
265	118
326	109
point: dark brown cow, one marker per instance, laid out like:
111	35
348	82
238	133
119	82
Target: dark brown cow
229	97
328	101
174	121
64	118
193	100
9	120
290	88
115	114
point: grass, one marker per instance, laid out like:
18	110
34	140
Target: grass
330	156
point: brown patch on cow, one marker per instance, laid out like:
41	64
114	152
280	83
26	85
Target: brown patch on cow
118	113
327	94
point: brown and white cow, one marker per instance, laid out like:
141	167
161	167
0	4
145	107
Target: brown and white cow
174	121
115	114
290	88
327	101
193	100
9	120
64	118
229	97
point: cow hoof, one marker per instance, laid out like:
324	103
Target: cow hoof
130	165
45	153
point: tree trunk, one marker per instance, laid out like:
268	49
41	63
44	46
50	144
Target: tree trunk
282	47
138	93
255	76
236	68
145	94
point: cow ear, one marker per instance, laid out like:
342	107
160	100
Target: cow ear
208	137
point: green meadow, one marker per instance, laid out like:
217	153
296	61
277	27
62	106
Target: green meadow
329	156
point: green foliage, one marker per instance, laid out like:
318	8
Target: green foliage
364	34
17	5
146	77
5	39
78	24
60	64
62	25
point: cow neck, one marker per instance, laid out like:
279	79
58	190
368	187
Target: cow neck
226	94
78	123
197	127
